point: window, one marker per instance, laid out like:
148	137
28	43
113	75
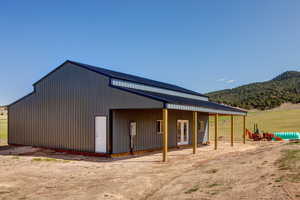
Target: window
159	127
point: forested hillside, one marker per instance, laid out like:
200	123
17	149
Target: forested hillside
262	95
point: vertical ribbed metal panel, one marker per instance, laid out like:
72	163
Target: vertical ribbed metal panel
147	137
61	111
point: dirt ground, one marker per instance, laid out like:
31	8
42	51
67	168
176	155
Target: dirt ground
240	172
3	142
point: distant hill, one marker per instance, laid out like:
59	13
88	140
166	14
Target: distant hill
262	95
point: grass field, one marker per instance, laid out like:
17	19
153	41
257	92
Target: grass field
3	131
268	121
276	120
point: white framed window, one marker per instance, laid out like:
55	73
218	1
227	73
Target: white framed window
159	129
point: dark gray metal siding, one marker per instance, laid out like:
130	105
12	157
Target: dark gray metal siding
147	137
61	111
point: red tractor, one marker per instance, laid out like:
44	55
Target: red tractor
256	136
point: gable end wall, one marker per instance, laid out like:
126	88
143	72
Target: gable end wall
61	112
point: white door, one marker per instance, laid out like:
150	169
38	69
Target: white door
100	134
183	132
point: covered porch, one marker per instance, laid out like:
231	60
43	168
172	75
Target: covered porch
174	123
216	112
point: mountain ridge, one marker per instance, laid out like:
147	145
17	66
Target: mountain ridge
262	95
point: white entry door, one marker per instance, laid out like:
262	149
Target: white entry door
182	132
100	134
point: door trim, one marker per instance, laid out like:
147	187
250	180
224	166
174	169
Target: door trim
181	121
95	129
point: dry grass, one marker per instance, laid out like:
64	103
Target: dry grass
290	161
3	131
193	189
276	120
225	128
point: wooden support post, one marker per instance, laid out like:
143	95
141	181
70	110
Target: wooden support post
216	130
232	129
244	129
195	141
165	134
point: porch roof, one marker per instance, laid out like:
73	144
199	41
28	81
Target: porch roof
182	103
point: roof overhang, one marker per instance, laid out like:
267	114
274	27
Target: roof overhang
202	109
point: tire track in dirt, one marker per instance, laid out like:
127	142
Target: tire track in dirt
219	158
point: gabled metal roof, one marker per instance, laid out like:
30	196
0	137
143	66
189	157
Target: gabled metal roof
136	79
177	100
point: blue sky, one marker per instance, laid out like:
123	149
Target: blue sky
201	45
